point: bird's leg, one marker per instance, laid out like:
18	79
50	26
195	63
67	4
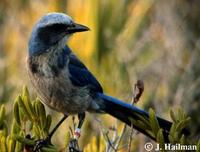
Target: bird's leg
42	142
73	145
56	127
77	133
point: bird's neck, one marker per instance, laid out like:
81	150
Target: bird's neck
50	63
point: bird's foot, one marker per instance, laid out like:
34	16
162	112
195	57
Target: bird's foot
73	145
41	143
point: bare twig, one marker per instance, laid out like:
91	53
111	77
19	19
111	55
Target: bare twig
113	145
121	137
130	139
71	131
109	143
137	92
115	133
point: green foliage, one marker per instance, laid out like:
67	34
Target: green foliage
181	120
30	124
153	122
151	126
175	135
198	146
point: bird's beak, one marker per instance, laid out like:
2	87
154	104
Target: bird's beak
77	28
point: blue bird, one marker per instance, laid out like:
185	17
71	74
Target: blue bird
65	84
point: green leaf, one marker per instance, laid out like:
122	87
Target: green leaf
181	115
42	114
171	139
144	120
182	140
15	129
142	125
160	138
3	144
16	113
172	129
36	131
5	129
49	148
2	114
25	92
11	145
153	122
24	109
48	123
18	147
182	124
176	136
172	115
27	102
29	106
23	140
198	145
36	108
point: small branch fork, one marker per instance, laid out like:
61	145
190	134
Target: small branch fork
113	144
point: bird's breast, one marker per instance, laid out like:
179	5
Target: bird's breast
55	89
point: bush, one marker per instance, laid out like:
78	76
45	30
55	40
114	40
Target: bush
31	123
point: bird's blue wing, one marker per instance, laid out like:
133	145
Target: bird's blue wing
80	76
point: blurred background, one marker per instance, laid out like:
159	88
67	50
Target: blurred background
155	41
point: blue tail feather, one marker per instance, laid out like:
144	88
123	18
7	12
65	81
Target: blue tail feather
124	111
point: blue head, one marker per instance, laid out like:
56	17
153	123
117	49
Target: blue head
50	30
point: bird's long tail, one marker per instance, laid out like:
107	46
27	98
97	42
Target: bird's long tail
126	113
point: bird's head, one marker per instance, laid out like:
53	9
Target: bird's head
50	30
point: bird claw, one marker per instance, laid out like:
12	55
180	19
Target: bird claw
73	145
41	143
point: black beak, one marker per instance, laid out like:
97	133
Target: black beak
77	28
